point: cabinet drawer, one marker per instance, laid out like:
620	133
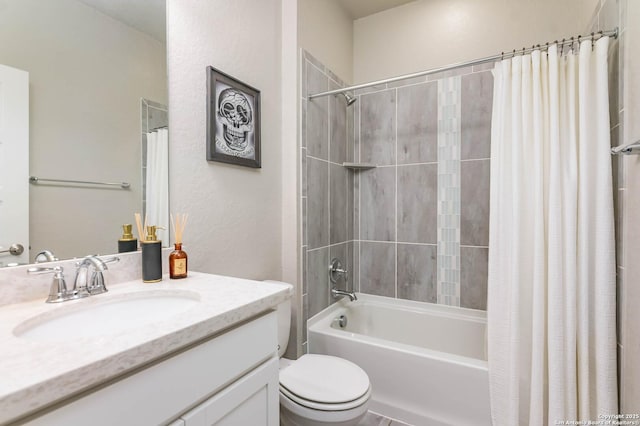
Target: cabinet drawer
167	389
252	400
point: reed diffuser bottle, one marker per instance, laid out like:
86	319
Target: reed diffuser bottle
178	258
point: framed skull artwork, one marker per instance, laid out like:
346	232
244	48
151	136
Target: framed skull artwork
233	120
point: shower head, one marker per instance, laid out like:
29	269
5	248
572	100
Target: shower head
349	98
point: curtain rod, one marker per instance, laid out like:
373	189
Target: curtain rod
593	36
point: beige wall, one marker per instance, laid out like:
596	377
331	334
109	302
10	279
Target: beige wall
325	30
87	74
234	212
430	33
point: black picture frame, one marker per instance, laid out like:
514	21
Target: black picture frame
233	120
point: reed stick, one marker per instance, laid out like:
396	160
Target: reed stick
139	226
178	225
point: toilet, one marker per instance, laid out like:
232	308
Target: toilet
318	389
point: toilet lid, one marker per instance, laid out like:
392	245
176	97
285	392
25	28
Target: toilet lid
324	379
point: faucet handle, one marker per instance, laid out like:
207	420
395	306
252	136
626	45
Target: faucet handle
58	291
336	270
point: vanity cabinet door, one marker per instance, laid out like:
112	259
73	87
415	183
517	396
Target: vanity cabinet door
252	400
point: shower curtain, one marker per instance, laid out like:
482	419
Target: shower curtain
157	181
551	296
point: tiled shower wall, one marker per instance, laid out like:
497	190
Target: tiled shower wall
421	222
326	142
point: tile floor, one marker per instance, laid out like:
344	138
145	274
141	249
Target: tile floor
374	419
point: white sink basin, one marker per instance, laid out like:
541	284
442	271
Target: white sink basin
95	318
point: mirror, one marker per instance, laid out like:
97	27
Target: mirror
97	92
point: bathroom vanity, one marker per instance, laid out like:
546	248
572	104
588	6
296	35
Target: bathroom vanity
197	351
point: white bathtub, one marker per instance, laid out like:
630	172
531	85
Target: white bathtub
426	362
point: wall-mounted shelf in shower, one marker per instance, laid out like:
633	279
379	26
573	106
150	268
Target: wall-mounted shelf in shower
359	166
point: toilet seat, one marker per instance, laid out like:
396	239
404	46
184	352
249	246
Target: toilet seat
323	382
314	405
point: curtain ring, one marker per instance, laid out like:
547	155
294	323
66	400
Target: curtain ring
562	48
593	40
523	49
502	56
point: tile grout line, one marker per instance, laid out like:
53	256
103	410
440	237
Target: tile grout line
328	294
359	193
396	203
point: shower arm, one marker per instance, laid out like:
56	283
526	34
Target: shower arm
593	37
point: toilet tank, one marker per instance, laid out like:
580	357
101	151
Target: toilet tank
283	312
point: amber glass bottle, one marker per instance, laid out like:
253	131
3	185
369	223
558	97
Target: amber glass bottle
178	263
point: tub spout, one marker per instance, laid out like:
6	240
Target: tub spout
337	293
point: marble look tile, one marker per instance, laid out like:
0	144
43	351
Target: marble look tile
417	272
350	132
608	17
371	89
304	221
407	81
317	203
477	103
303	123
378	128
377	268
305	316
356	130
418	123
309	57
355	269
356	205
473	277
337	126
484	67
303	75
350	199
305	269
338	191
418	203
157	118
474	203
341	252
377	204
449	73
333	76
303	172
318	277
317	115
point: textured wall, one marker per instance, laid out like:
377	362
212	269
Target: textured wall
234	212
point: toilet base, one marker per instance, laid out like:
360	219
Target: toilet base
288	418
292	414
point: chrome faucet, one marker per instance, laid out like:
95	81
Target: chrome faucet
45	256
337	293
83	286
58	292
97	283
335	272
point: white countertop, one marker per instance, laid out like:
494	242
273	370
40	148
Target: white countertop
35	374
